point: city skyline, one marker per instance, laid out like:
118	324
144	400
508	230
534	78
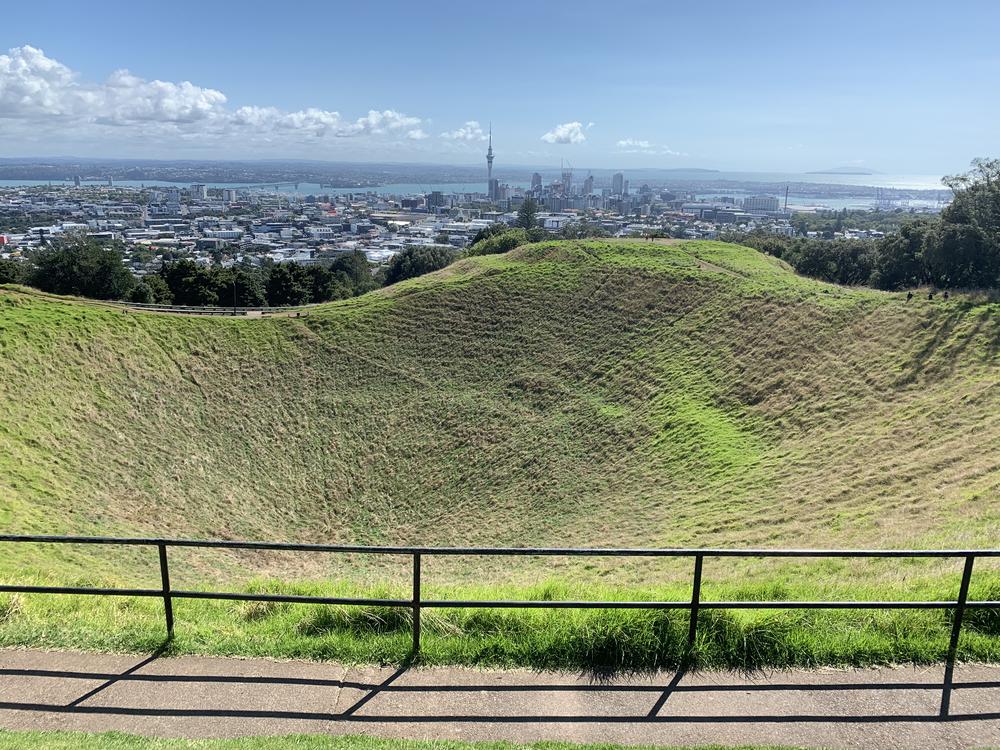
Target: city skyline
757	91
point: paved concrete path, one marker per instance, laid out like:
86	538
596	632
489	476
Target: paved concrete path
213	697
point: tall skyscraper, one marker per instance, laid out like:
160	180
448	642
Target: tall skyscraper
536	181
618	184
588	185
489	165
567	180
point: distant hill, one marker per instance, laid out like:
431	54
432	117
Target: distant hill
590	393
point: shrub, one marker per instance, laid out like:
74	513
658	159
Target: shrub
500	243
418	260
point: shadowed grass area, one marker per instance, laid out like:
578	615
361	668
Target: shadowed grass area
116	741
564	639
585	393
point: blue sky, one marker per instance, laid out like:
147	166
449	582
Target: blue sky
898	87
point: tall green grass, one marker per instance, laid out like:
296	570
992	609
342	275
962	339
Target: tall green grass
565	639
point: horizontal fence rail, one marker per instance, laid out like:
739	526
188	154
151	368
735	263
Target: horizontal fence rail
207	309
416	602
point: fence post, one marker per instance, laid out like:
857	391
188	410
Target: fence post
695	602
956	629
168	603
416	604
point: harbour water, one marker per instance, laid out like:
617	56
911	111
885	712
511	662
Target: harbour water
706	184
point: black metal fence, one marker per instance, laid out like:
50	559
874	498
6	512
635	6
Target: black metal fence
416	602
231	310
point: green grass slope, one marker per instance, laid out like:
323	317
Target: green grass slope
567	393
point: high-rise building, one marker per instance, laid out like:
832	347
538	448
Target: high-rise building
760	203
199	192
489	165
173	200
567	181
494	189
536	181
618	184
588	185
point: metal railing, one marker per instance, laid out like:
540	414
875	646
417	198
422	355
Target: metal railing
416	602
231	310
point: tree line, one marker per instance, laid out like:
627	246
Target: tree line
81	267
961	249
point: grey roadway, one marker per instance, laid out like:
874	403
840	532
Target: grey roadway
201	697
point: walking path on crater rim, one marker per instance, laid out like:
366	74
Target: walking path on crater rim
211	697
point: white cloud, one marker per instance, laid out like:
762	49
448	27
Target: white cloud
470	132
127	98
568	132
32	84
35	86
379	123
632	143
638	146
42	93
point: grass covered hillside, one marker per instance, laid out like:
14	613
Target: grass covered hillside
566	393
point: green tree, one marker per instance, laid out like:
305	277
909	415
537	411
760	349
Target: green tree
977	199
245	286
899	258
418	260
964	250
356	267
76	265
288	284
527	214
489	231
961	255
12	271
191	284
159	290
141	294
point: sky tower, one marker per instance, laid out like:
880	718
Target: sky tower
489	165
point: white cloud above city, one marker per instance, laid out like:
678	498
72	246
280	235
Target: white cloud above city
37	90
566	133
470	132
